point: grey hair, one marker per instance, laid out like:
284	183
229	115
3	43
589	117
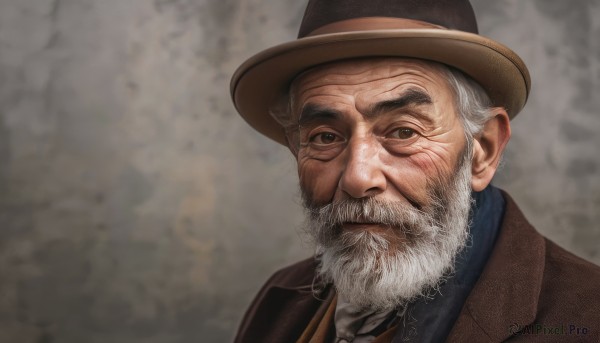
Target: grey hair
472	103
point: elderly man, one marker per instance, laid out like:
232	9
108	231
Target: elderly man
397	113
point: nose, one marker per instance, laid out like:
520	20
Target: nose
363	175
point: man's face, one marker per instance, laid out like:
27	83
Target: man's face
375	128
385	176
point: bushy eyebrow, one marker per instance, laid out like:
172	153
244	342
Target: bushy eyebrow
312	112
408	98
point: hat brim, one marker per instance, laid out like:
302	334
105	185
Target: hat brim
262	79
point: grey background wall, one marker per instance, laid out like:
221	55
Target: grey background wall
136	206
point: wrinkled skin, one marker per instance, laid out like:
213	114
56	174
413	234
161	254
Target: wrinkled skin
354	143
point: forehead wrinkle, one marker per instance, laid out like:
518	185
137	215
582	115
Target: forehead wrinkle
334	73
334	79
342	80
311	88
417	82
331	100
331	78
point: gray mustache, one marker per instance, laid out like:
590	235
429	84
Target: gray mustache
369	210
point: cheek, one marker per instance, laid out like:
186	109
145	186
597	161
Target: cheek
413	175
436	160
318	179
406	180
430	165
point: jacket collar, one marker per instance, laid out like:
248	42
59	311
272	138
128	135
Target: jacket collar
284	307
507	292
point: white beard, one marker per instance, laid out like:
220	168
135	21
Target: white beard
386	270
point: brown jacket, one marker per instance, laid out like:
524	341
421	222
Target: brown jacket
530	286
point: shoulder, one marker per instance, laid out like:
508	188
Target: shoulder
569	268
570	287
568	293
297	275
532	282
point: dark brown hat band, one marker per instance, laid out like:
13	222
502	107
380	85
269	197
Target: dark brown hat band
373	23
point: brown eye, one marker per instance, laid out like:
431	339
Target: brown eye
403	133
324	138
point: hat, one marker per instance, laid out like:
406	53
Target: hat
443	31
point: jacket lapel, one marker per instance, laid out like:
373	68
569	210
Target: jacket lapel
282	315
506	295
285	306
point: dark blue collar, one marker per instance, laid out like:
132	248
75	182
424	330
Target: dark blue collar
431	319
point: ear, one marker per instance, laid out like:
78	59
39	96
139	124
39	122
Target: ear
488	147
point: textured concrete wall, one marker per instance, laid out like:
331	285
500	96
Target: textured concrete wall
136	206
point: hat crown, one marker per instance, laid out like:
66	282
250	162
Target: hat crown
451	14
